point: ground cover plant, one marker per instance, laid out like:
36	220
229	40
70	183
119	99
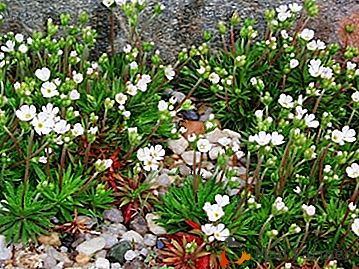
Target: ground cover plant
270	179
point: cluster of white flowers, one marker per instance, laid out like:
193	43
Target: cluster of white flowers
150	157
168	106
316	69
263	139
214	213
47	121
279	206
345	135
286	11
355	227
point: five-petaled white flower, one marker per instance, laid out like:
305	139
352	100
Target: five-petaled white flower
169	72
277	139
307	34
208	229
353	170
221	233
214	212
26	113
48	89
43	74
214	78
286	101
222	200
262	138
204	145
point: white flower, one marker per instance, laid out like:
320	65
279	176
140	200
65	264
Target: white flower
74	95
157	152
126	114
48	89
326	72
316	45
121	98
108	3
43	159
214	212
293	63
355	227
133	65
143	154
277	139
353	170
352	206
150	164
131	89
127	48
286	101
43	74
349	134
279	205
208	229
308	210
259	113
162	105
315	69
26	113
49	111
146	78
204	145
338	137
102	165
23	48
214	78
310	121
351	66
142	85
78	130
77	77
201	70
300	112
294	7
355	97
19	38
307	34
220	233
93	130
61	127
283	12
169	72
262	138
287	265
284	34
9	46
42	125
222	200
297	190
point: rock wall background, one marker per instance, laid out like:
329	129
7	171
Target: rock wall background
179	26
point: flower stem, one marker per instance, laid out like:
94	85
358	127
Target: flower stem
263	228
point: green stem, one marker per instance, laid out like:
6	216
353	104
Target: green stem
263	228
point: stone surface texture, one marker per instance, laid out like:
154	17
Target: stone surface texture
179	26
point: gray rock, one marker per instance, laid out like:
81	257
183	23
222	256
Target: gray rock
184	170
135	264
114	215
132	236
117	252
92	246
163	180
102	263
5	253
49	261
153	226
150	240
58	256
178	146
116	265
101	254
180	25
215	135
116	229
110	239
188	157
139	225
